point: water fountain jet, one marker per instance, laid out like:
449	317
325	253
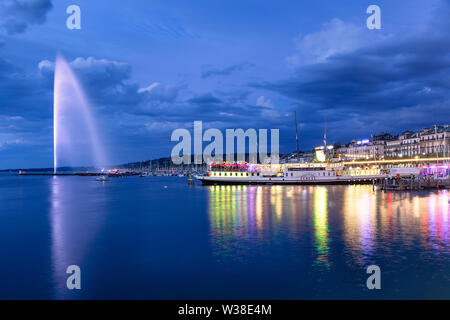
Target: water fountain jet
72	117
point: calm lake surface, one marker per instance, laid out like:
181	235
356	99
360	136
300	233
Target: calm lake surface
158	238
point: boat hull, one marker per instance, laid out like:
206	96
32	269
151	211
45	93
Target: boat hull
289	181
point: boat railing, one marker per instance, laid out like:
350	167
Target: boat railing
229	169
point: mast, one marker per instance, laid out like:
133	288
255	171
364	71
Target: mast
325	150
325	134
437	149
296	136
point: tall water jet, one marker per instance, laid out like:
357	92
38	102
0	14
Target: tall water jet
74	127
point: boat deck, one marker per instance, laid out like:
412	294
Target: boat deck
289	181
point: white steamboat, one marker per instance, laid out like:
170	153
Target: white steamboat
305	173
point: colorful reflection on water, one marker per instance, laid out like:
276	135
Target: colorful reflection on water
320	224
219	242
329	223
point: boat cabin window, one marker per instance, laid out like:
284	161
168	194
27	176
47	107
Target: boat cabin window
307	169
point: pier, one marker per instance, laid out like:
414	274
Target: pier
403	184
60	174
83	174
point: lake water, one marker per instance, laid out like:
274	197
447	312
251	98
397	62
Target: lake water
158	238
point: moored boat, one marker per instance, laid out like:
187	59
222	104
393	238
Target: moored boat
296	173
101	178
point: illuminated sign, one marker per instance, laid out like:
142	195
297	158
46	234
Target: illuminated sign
320	155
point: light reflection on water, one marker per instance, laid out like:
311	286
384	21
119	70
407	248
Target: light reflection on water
321	231
365	223
74	226
135	239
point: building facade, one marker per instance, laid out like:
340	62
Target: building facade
428	141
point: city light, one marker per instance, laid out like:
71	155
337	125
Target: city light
396	161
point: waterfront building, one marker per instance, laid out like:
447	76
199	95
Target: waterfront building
361	149
393	148
410	145
403	145
433	141
428	141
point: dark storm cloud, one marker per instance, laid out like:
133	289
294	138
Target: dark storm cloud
207	99
106	82
373	79
366	81
23	93
158	93
180	111
229	108
26	108
210	72
157	107
109	87
5	68
407	77
16	16
30	94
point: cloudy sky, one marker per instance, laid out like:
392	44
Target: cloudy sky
149	67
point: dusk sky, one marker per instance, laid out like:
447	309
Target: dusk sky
149	67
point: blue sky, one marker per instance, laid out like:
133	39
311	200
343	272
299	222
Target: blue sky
149	67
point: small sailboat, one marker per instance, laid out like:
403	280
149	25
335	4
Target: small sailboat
190	179
145	174
101	178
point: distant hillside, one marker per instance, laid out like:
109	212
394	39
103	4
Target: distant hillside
167	163
161	163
